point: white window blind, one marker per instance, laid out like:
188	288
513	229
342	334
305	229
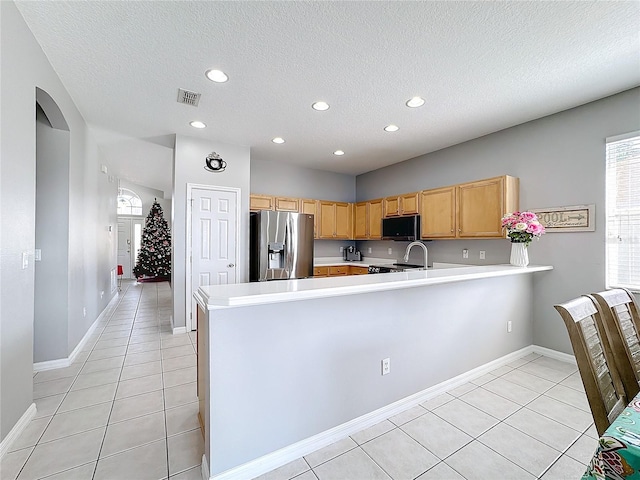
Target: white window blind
623	212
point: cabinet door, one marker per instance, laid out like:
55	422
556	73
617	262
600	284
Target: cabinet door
359	270
409	203
311	206
375	219
327	220
285	204
392	206
260	202
343	220
320	271
481	206
360	230
339	270
438	213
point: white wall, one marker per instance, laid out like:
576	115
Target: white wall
560	160
92	254
188	167
148	195
287	371
52	238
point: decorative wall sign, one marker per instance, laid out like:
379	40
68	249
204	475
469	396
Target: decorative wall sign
215	163
577	218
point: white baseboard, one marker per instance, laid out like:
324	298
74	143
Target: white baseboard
547	352
65	362
177	330
292	452
17	429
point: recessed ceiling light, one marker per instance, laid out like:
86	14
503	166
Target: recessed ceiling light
391	128
320	106
278	140
415	102
197	124
338	152
217	76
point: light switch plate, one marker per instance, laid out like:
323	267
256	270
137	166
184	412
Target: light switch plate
25	260
38	256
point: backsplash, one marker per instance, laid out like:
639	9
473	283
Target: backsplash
445	251
330	248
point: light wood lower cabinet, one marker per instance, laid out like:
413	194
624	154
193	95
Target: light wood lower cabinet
359	270
339	270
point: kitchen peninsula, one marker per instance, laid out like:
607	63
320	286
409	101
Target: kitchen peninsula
287	367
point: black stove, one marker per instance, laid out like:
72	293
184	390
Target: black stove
395	267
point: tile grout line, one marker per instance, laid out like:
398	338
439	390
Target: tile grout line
95	469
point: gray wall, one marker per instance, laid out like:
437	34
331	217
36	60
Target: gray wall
327	365
188	167
294	181
289	180
23	67
560	161
52	238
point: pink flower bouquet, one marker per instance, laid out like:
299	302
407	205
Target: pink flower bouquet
522	227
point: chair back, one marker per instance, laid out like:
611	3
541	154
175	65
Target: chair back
622	323
583	319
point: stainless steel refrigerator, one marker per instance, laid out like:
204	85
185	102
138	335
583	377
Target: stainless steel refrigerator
281	246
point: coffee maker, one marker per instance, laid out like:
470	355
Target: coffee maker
350	254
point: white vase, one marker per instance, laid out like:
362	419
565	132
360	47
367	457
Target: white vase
519	255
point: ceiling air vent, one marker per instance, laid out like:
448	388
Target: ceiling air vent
190	98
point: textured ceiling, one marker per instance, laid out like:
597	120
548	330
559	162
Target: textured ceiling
481	67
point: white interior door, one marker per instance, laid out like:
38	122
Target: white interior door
124	246
214	240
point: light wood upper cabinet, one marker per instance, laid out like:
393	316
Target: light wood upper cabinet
335	220
261	202
438	214
482	204
368	220
310	206
375	219
286	204
360	213
469	210
406	204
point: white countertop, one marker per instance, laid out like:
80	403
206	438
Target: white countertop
258	293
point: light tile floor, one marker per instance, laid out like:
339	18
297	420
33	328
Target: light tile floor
126	410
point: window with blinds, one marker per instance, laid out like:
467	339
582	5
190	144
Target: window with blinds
623	211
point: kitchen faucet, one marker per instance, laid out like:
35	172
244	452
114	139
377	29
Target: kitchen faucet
410	246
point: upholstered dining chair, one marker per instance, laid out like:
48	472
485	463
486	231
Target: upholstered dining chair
605	393
622	324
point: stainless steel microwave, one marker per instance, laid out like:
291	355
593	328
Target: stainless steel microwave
401	228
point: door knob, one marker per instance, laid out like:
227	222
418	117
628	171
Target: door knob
231	265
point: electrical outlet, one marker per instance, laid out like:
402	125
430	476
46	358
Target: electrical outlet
482	254
102	294
25	260
84	311
390	251
369	250
38	256
465	253
386	366
341	249
509	326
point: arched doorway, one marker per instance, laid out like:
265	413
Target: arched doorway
51	303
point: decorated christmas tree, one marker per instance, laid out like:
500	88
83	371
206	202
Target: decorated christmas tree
154	257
